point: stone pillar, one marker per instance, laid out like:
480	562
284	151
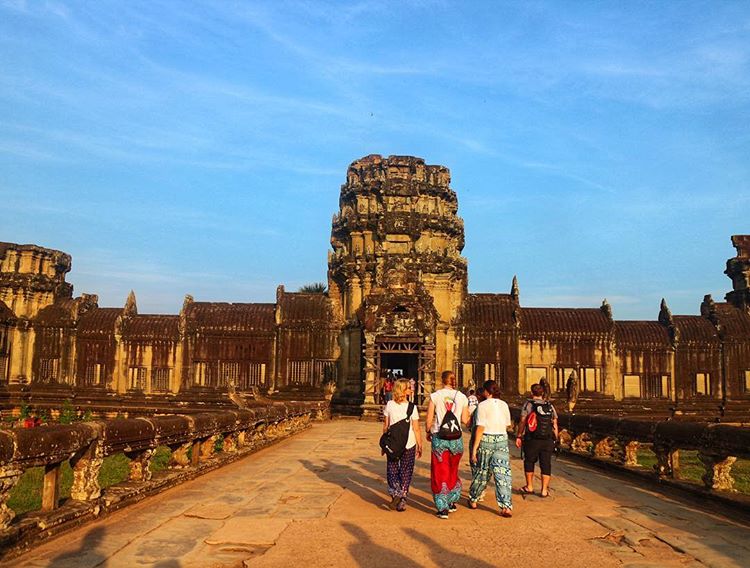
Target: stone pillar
604	448
630	453
370	368
718	474
663	465
230	443
139	465
9	476
178	372
51	487
86	467
179	457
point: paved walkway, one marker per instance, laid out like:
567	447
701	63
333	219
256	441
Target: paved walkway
318	499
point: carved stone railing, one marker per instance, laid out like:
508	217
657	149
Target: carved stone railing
618	440
191	439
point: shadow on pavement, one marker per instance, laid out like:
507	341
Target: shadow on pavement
676	512
441	556
367	553
86	554
369	489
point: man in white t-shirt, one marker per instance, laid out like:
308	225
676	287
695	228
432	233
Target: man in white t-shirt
446	454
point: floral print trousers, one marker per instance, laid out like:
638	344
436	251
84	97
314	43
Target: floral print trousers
493	460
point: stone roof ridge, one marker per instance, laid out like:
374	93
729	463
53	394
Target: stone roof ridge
641	333
541	321
695	329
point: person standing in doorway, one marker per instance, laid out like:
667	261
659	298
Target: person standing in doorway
537	433
473	401
446	408
388	389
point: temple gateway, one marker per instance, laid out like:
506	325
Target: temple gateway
397	298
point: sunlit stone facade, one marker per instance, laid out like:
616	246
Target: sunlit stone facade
397	298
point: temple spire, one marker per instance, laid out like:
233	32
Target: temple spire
131	306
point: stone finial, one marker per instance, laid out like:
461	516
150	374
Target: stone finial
279	292
607	309
708	306
514	292
665	315
131	307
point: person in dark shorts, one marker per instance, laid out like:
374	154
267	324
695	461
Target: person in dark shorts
537	433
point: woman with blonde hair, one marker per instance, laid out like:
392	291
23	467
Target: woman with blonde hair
447	406
399	472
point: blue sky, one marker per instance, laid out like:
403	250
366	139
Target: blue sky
598	149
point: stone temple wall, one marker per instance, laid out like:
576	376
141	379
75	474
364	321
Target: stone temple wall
397	298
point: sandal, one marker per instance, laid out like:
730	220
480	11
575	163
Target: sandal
544	495
506	513
472	504
526	491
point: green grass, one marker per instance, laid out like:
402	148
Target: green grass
27	494
691	468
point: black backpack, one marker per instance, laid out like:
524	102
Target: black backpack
450	427
393	441
539	421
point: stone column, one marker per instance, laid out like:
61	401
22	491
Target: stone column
663	465
86	467
630	452
9	476
370	368
718	474
139	465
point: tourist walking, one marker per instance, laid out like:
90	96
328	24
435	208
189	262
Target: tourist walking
473	401
388	389
446	408
489	451
399	472
473	429
537	433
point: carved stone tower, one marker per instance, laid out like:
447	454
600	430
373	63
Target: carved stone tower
738	269
396	274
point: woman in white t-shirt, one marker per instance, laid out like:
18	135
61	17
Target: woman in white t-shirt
399	472
446	454
489	452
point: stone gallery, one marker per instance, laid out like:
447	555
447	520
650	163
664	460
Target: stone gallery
397	298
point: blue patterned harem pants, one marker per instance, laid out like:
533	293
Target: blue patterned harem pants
493	458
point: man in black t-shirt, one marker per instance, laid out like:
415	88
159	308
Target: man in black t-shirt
537	432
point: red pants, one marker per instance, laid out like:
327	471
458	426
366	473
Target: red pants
444	481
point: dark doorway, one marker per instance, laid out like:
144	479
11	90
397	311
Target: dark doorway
404	364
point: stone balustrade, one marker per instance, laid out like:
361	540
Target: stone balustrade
192	440
618	440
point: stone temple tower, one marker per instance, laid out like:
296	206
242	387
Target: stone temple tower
738	269
396	274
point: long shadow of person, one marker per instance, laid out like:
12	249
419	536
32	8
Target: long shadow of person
441	556
86	555
367	553
367	488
